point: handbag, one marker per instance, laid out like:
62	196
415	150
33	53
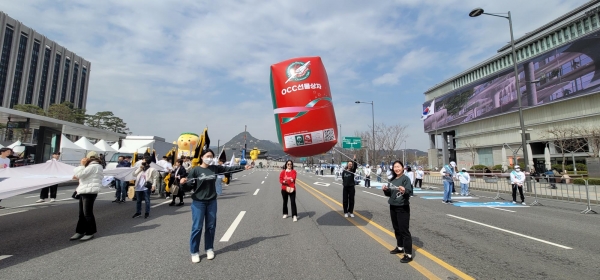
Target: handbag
131	192
174	189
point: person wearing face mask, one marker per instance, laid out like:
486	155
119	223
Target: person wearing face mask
147	178
201	182
399	190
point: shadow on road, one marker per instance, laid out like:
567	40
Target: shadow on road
333	218
247	243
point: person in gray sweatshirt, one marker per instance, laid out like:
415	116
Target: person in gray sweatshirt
399	190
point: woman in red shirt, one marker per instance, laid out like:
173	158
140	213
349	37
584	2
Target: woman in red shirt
287	178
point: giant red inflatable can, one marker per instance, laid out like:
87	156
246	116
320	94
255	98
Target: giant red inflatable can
303	108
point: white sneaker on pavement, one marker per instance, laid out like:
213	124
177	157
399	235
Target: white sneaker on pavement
351	215
40	201
195	258
514	202
285	216
523	203
52	200
346	215
210	254
295	219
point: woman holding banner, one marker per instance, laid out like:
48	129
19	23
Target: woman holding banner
399	191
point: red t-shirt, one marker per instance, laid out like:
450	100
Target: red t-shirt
289	176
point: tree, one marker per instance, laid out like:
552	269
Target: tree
99	119
566	139
116	124
60	112
29	108
591	138
472	148
387	141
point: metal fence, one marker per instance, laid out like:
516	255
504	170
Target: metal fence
586	195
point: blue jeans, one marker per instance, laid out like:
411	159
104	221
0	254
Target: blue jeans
464	189
121	187
203	212
219	185
379	178
145	195
447	191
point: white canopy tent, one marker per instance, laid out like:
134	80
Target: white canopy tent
87	145
69	152
18	143
137	146
115	146
107	150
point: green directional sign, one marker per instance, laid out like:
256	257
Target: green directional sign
352	143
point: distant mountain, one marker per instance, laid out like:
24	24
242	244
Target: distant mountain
236	144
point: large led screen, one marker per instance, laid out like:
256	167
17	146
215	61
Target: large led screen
566	72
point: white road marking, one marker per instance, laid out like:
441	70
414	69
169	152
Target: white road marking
337	183
511	232
322	184
6	214
256	191
262	182
375	194
39	196
5	256
502	209
153	206
232	228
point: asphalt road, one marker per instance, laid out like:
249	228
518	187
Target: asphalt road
542	242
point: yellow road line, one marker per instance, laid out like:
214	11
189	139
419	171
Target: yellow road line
414	264
422	251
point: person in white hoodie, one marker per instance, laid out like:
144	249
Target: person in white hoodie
367	176
465	179
89	174
517	178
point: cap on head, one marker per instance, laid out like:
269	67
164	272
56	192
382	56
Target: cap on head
453	163
464	169
517	167
92	154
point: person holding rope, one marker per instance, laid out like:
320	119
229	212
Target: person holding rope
287	178
201	181
399	191
517	178
349	191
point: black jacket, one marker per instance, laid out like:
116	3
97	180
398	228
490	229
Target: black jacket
348	175
182	174
395	198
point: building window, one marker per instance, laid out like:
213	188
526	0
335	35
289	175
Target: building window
594	21
16	90
35	53
55	79
82	87
579	28
566	33
44	81
74	83
537	46
4	59
586	25
63	95
559	35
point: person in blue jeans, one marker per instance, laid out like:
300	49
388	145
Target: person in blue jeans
448	178
121	185
146	181
201	181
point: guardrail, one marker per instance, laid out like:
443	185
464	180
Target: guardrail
541	188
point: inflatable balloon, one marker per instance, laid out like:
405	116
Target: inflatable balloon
303	107
254	154
186	143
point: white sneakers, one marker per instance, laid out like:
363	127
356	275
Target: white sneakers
346	215
195	258
351	215
210	254
40	201
52	200
523	203
285	216
295	219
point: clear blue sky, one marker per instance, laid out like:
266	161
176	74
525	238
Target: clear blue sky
168	67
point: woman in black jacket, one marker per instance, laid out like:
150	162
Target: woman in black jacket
348	190
177	173
399	190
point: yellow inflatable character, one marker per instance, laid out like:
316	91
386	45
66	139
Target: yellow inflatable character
254	154
186	143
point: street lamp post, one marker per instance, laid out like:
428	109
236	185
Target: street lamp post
373	118
477	12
